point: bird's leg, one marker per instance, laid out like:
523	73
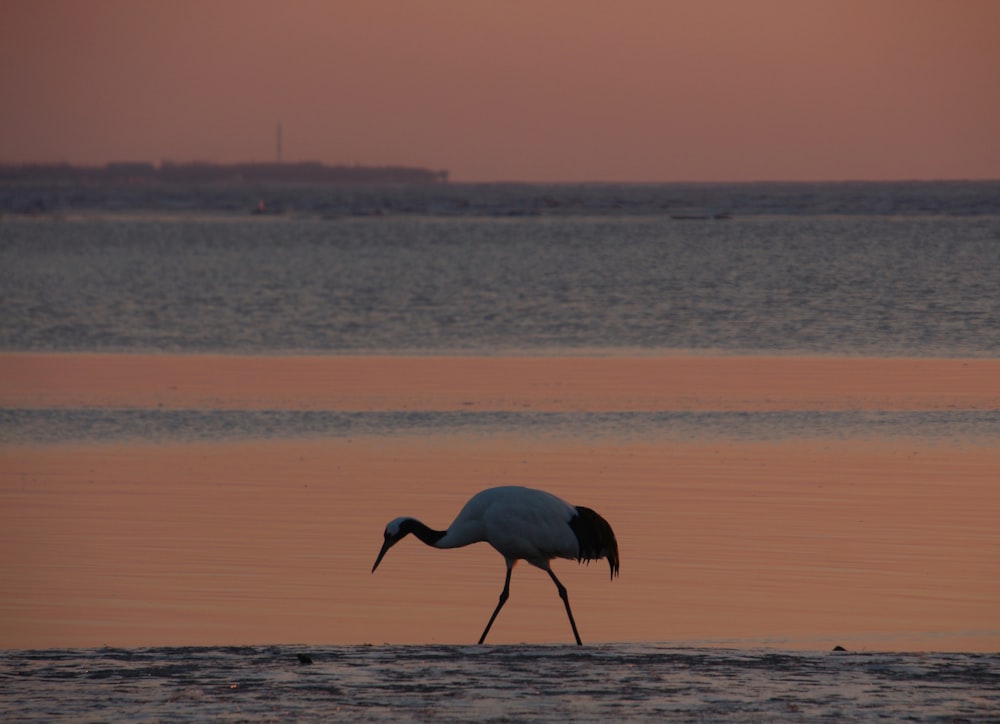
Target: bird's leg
504	595
565	597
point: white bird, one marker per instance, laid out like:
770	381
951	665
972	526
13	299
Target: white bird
521	524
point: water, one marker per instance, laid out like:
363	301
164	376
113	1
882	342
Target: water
840	283
951	198
58	426
138	524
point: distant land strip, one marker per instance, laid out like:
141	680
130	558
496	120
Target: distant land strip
306	172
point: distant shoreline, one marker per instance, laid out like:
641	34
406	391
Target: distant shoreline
306	172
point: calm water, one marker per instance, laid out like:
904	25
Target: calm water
516	683
906	284
856	269
849	269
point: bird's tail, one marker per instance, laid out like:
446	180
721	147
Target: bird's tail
596	538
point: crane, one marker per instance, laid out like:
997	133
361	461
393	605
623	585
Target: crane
521	524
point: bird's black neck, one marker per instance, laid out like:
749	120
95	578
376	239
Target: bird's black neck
424	533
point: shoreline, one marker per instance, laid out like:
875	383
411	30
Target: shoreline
659	681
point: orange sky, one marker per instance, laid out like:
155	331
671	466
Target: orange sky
533	90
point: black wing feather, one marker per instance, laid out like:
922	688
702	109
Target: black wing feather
596	538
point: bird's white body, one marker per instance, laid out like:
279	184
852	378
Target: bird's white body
521	524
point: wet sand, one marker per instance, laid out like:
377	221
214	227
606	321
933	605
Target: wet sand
537	683
871	544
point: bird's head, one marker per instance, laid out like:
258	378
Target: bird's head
394	532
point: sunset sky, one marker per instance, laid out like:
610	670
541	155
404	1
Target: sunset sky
532	90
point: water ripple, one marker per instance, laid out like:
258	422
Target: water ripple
56	426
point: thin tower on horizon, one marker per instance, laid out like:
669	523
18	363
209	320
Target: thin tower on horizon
278	143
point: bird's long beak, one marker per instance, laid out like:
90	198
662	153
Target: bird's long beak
385	546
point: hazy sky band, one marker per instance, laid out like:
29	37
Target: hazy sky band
557	90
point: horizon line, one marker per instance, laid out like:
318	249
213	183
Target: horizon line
512	181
